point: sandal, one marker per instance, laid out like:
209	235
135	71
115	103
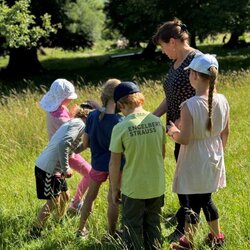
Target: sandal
182	245
215	242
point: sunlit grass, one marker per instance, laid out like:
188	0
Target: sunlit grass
23	137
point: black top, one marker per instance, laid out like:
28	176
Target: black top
178	88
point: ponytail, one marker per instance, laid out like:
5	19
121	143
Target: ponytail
212	78
107	94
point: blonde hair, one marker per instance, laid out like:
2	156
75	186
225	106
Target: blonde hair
133	100
171	29
212	79
108	93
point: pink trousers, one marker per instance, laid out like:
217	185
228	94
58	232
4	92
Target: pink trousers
79	164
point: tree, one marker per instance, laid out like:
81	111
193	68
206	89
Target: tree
69	24
138	19
236	22
19	33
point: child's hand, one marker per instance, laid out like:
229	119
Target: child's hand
172	129
58	175
69	173
116	197
73	110
178	123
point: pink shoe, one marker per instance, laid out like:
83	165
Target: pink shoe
215	242
182	245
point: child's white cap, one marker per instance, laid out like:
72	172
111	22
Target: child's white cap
60	90
202	62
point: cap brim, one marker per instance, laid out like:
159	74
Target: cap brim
73	96
49	102
186	68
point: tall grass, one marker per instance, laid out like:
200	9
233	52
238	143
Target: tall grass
23	137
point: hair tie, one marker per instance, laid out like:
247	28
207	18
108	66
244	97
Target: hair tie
183	27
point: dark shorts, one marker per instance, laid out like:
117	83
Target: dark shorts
48	186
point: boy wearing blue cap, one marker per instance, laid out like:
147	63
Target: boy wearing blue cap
141	138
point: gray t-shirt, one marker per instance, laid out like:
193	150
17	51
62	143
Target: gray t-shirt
63	143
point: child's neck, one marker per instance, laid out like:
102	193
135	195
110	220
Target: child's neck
201	89
201	92
110	107
134	110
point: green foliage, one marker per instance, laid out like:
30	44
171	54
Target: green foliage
137	20
85	18
18	26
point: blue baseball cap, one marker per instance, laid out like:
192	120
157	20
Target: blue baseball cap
124	89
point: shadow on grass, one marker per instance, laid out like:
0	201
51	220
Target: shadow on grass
95	69
15	235
13	230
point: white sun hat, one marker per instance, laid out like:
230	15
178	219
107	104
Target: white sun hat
202	62
60	90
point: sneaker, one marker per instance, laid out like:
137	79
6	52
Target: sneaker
175	236
35	232
82	234
215	242
183	244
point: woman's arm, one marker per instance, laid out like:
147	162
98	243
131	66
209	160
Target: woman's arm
162	109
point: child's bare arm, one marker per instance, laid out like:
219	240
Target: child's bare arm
114	173
224	135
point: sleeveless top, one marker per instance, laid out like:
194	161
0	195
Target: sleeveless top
200	166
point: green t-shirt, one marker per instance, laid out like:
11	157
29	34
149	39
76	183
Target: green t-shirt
140	137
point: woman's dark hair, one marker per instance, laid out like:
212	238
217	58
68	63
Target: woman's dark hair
171	29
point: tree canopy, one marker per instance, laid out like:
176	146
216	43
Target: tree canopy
137	19
26	25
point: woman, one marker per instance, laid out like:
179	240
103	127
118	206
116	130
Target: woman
173	37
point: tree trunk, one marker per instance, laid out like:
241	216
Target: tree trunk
234	41
149	51
193	40
23	61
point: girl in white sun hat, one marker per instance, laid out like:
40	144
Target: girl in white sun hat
55	103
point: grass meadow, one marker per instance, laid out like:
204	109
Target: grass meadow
23	136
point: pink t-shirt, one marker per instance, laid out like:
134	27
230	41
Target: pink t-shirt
56	118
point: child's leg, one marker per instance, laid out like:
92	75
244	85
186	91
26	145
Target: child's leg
132	216
192	205
82	167
61	209
113	214
151	223
192	215
212	215
214	227
88	202
46	210
48	187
